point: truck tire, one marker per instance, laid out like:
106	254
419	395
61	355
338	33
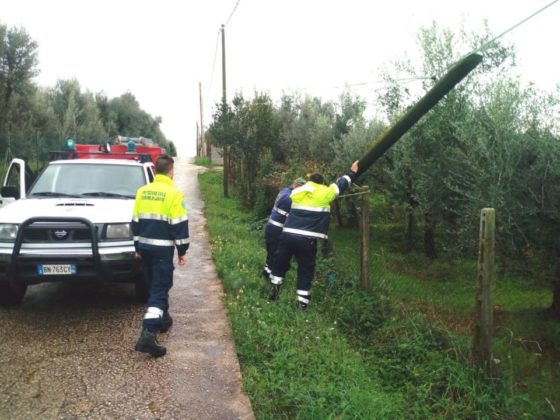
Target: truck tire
142	289
11	295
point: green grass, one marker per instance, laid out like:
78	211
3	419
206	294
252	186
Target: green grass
400	350
202	161
526	344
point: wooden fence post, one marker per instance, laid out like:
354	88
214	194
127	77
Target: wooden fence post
482	343
226	171
364	239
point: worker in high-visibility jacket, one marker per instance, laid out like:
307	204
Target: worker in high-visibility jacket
159	226
275	224
308	221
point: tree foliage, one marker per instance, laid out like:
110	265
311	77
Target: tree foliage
18	65
35	120
480	147
249	130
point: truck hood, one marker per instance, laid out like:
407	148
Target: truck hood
96	210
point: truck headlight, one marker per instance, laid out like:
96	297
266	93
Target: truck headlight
118	231
8	232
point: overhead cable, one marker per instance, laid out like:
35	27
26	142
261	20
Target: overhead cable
407	79
213	64
232	12
478	49
485	45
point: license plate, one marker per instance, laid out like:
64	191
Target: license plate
56	269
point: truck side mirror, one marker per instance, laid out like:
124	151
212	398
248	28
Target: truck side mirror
10	191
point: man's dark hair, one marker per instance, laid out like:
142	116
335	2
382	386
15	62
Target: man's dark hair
317	178
164	164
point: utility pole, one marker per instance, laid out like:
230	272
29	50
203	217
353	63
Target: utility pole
197	140
224	104
203	140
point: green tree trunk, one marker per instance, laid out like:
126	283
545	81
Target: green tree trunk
337	213
410	226
554	309
430	237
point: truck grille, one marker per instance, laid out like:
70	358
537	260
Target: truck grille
56	233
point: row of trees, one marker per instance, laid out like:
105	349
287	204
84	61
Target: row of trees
302	134
492	142
34	120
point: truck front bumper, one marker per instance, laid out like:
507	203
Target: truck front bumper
115	262
34	255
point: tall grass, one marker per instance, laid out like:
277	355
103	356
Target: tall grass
352	354
202	161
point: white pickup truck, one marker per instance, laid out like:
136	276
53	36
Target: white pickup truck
72	223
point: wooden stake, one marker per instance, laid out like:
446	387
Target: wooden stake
364	239
484	322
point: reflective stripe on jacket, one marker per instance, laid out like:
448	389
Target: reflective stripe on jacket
282	206
310	212
160	218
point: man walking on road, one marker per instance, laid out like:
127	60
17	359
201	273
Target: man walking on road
273	228
308	221
159	225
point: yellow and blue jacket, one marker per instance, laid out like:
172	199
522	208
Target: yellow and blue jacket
310	212
159	218
281	208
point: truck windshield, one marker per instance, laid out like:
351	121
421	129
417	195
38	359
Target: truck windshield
89	179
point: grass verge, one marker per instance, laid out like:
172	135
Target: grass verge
202	161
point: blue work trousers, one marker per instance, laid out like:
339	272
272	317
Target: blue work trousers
271	237
304	250
158	269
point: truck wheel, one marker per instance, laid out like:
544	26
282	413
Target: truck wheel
142	289
11	295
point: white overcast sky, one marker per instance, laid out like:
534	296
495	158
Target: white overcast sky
160	50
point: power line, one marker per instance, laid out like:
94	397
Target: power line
406	80
213	64
216	49
232	12
481	48
485	45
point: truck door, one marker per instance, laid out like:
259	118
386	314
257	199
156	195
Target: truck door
149	171
13	187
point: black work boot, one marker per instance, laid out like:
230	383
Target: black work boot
166	322
274	292
147	343
301	305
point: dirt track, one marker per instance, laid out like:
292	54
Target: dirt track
67	351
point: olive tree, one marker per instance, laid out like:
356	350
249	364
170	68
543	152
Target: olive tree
18	66
431	160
